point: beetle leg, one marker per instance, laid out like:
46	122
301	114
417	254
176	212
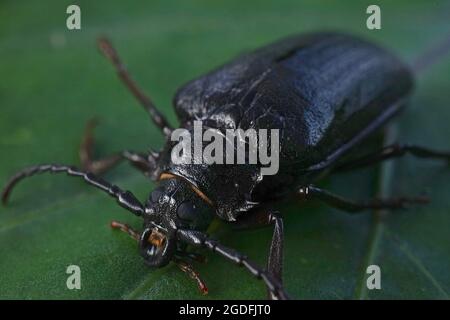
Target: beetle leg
86	152
110	53
124	198
199	239
183	265
393	151
127	229
339	202
266	217
88	163
275	260
190	271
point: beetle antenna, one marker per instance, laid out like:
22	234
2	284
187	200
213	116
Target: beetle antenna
110	53
199	239
125	198
431	56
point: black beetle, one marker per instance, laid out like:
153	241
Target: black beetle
325	92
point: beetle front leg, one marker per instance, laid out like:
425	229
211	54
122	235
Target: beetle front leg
194	275
275	260
200	239
351	206
182	264
144	163
126	228
264	218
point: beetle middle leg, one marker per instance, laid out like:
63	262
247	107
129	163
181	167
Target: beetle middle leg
144	163
392	151
351	206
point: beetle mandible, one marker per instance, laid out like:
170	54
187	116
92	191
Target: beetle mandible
325	92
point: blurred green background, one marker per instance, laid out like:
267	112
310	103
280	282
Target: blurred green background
53	80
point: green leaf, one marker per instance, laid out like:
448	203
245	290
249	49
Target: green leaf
54	80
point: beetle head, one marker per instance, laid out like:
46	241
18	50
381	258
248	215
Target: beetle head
172	205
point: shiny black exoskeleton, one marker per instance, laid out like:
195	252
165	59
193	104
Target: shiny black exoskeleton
326	93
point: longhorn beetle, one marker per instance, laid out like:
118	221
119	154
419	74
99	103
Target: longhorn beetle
325	92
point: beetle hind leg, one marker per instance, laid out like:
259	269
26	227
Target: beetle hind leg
351	206
393	151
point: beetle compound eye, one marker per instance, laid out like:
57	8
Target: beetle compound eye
187	211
